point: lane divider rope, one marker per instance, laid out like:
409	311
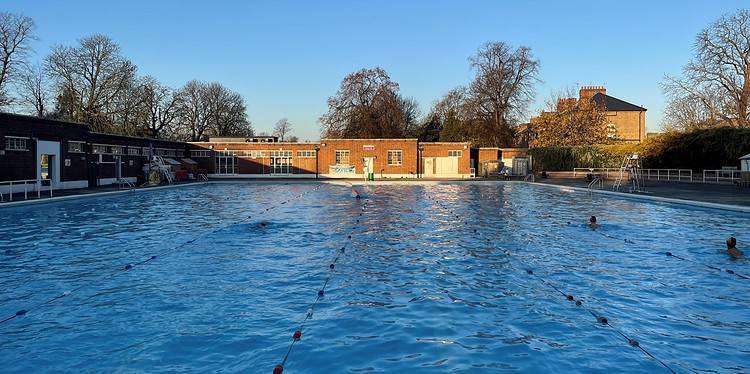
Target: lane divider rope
133	265
297	335
578	302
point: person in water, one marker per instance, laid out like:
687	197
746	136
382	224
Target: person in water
592	222
732	248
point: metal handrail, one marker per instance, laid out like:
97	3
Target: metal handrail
529	177
123	181
36	182
596	181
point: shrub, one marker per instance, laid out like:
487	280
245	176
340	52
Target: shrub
696	150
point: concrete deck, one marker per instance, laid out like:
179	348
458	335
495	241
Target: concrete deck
702	192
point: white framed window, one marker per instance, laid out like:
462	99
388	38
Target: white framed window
15	143
75	147
134	151
116	149
455	153
99	149
342	157
395	157
200	153
611	131
280	153
306	154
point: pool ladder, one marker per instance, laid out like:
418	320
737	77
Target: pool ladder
597	181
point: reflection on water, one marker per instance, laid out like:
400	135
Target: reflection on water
421	288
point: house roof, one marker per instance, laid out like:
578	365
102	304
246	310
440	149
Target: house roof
615	104
745	157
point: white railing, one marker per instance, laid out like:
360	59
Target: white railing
678	175
25	182
721	176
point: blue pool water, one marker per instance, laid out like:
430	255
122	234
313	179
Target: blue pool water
419	289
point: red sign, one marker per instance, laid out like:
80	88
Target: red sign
368	147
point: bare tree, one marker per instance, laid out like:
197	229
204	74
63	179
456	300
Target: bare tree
193	111
16	34
162	105
715	86
92	75
368	105
503	87
33	90
282	128
210	109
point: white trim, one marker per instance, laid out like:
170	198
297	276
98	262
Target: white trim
65	185
108	181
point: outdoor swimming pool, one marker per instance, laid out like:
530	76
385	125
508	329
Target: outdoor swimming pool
418	288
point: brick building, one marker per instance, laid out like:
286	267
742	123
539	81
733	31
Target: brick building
70	156
334	158
625	121
61	155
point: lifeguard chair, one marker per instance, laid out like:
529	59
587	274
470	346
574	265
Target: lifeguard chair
630	170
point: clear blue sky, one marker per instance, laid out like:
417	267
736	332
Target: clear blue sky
287	57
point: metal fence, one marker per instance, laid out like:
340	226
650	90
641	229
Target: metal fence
721	176
677	175
36	187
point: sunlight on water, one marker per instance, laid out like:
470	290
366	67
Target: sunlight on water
435	280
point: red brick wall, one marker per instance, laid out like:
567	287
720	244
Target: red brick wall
250	165
489	154
377	148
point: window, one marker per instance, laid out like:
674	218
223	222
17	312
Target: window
15	143
394	157
116	149
99	149
306	154
200	153
611	131
281	153
75	147
134	151
342	157
455	153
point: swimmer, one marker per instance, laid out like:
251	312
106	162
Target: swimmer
732	250
592	222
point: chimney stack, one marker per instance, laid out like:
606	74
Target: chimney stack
587	92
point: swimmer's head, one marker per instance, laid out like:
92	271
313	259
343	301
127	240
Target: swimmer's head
592	220
731	242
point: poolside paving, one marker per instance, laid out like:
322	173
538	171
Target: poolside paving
703	192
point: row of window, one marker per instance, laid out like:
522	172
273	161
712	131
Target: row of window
255	154
15	143
395	157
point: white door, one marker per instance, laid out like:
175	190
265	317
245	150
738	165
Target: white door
48	162
369	165
429	166
446	166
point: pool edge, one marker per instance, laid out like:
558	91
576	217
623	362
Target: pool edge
702	204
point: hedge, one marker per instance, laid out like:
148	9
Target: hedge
696	150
